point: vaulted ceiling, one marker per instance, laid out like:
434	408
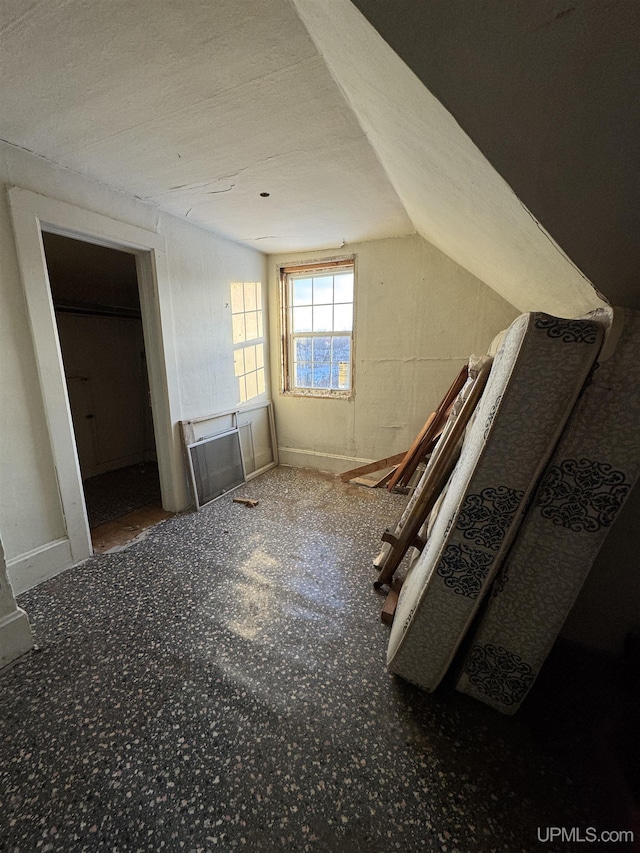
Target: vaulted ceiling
199	107
549	91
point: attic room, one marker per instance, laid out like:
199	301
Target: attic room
173	177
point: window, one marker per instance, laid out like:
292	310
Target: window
317	305
248	338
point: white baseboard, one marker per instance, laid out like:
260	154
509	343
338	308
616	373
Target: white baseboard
333	463
15	636
27	570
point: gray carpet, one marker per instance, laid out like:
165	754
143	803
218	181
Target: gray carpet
221	685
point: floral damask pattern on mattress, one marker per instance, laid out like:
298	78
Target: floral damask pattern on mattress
537	374
592	471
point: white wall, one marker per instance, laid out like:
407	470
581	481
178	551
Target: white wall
201	268
418	318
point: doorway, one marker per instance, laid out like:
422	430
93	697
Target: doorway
34	214
96	301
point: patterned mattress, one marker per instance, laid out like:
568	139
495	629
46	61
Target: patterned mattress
586	482
535	380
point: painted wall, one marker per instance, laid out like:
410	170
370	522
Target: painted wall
418	318
202	266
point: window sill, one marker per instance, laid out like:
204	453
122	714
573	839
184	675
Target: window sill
318	393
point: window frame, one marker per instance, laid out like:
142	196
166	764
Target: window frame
285	273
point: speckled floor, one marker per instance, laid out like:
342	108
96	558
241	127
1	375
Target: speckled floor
116	493
221	685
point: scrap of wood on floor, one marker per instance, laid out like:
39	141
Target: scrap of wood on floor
250	502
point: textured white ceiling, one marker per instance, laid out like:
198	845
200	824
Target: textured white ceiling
198	107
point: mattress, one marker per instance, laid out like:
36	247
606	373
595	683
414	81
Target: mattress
535	380
587	480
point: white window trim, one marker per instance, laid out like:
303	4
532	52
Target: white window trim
287	336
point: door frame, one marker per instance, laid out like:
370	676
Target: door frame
32	214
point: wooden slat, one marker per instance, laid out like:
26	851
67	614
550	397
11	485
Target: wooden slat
364	481
391	603
411	452
384	480
432	428
387	462
433	484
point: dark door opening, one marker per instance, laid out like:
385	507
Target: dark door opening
97	307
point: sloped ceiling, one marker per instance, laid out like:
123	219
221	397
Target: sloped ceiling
198	107
455	198
550	93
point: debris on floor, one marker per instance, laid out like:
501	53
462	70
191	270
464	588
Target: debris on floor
246	501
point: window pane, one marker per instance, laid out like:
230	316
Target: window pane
343	318
238	328
249	359
341	348
301	291
252	386
261	383
250	296
323	318
322	350
334	376
243	389
302	349
259	355
322	304
323	290
258	295
321	375
260	329
302	320
238	362
237	301
302	374
344	287
251	320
